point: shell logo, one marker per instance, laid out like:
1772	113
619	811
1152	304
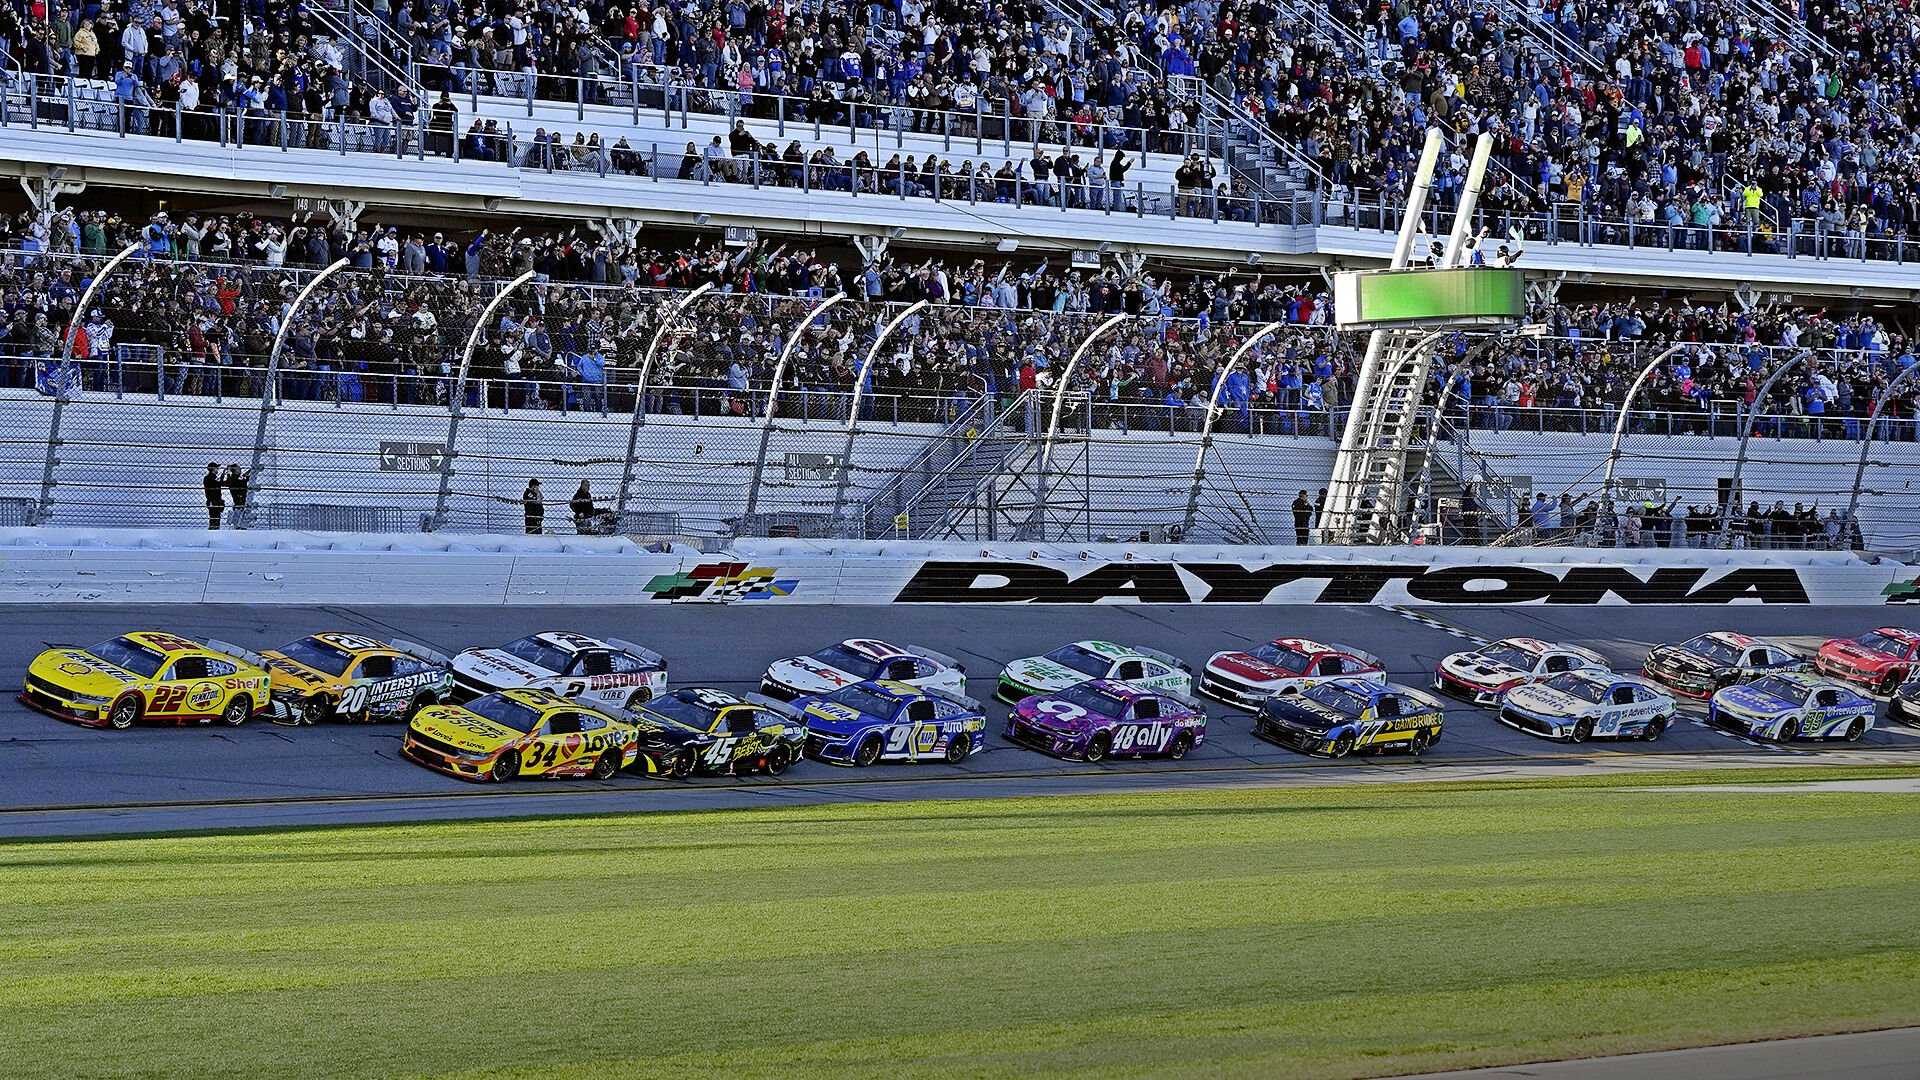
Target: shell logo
74	669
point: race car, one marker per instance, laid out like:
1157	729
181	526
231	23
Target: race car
1589	703
1106	718
1070	665
516	733
1482	675
883	720
1337	717
593	670
147	675
1782	708
354	678
1879	659
1905	703
1246	678
859	660
1700	665
720	732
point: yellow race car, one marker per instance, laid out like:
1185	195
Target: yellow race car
147	675
517	733
354	678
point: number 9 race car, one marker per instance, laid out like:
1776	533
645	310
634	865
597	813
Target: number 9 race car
1482	675
697	729
859	660
1783	708
1283	666
1589	703
518	733
354	678
589	669
1106	718
1070	665
1342	716
147	675
881	720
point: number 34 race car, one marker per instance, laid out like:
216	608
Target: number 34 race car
354	678
147	675
1106	718
519	733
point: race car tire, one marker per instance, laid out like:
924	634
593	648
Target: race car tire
1582	730
238	711
606	765
957	748
1181	747
1656	727
311	709
1098	746
867	752
125	713
1890	682
1856	729
505	767
414	707
777	759
640	697
1342	746
1419	743
1789	730
677	765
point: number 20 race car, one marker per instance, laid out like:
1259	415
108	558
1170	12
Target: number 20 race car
147	675
1107	718
891	721
588	669
518	733
354	678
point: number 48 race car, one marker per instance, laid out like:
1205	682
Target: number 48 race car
1106	718
354	678
147	675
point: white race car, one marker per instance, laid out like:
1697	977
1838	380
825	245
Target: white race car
593	670
1482	675
1589	703
859	660
1071	665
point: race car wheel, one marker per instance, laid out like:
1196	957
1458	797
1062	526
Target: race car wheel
124	714
1789	730
1856	729
1656	727
505	767
677	765
640	697
1342	746
1889	683
1098	746
414	707
957	748
1419	743
606	765
238	710
778	758
1582	730
1182	746
868	752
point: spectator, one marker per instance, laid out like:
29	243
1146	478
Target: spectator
533	502
216	496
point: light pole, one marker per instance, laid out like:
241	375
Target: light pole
44	511
457	402
1626	412
1059	399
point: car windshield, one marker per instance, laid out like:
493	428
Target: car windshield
694	708
318	655
1346	701
1081	660
538	653
506	713
1774	686
1512	655
131	655
1282	657
839	656
865	700
1713	649
1094	700
1577	685
1879	642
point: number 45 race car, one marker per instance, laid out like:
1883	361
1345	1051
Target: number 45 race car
147	675
349	677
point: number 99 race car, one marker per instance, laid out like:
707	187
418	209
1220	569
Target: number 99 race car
1481	676
518	733
1589	703
891	721
596	671
1700	665
859	660
1344	716
1783	708
354	678
1108	718
147	675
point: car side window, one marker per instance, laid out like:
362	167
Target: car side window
1826	698
923	668
1329	665
1759	657
219	669
1129	669
1146	708
563	723
376	667
901	670
189	667
596	663
407	665
1559	662
919	712
590	722
740	722
1622	695
1387	707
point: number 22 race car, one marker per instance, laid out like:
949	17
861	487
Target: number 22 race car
147	675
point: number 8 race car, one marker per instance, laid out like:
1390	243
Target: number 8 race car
147	675
354	678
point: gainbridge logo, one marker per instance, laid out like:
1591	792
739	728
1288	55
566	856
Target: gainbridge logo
722	583
1903	592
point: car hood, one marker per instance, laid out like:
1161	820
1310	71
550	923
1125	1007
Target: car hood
497	666
286	674
1856	653
82	672
1043	674
1476	668
1747	700
1249	668
1029	709
465	730
806	673
1308	713
1679	659
833	718
1548	701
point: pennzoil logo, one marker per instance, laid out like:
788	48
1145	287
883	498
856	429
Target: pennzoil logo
1903	592
722	583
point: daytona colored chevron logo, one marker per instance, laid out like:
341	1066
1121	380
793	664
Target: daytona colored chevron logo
1903	592
722	583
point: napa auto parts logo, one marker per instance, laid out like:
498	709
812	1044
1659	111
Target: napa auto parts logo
1903	592
722	583
1346	583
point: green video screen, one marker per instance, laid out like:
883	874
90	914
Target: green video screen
1434	295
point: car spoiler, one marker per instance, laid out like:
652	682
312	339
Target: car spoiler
1362	654
1188	700
641	651
1167	658
774	705
949	696
421	652
228	648
937	657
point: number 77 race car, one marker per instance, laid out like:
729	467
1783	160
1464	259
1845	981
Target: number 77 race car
354	678
880	720
147	675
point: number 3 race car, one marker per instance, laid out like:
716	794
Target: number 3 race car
1783	708
697	729
1483	675
1283	666
147	675
518	733
1879	659
1070	665
354	678
1108	718
1589	703
1342	716
858	660
596	671
1700	665
891	721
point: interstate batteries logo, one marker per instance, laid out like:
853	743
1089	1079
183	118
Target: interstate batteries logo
1903	592
722	583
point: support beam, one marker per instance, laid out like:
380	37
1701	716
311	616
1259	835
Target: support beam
456	402
773	396
872	249
270	390
344	212
1545	291
43	193
639	416
621	231
44	511
859	393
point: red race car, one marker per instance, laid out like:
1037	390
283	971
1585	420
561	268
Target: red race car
1879	659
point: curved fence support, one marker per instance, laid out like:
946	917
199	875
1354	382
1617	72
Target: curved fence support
1206	422
773	396
1735	492
270	390
639	416
1053	421
1866	447
457	400
44	511
859	392
1626	414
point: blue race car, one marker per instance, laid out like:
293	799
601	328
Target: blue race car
1782	708
883	720
1344	716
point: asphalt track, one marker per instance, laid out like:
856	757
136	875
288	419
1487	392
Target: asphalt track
58	779
1872	1055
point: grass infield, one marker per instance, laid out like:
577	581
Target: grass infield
1319	932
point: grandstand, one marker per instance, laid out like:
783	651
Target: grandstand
394	261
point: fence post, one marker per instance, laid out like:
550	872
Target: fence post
456	402
1740	459
44	512
859	391
1053	424
640	396
270	390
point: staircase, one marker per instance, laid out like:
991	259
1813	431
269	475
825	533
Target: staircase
369	47
938	486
